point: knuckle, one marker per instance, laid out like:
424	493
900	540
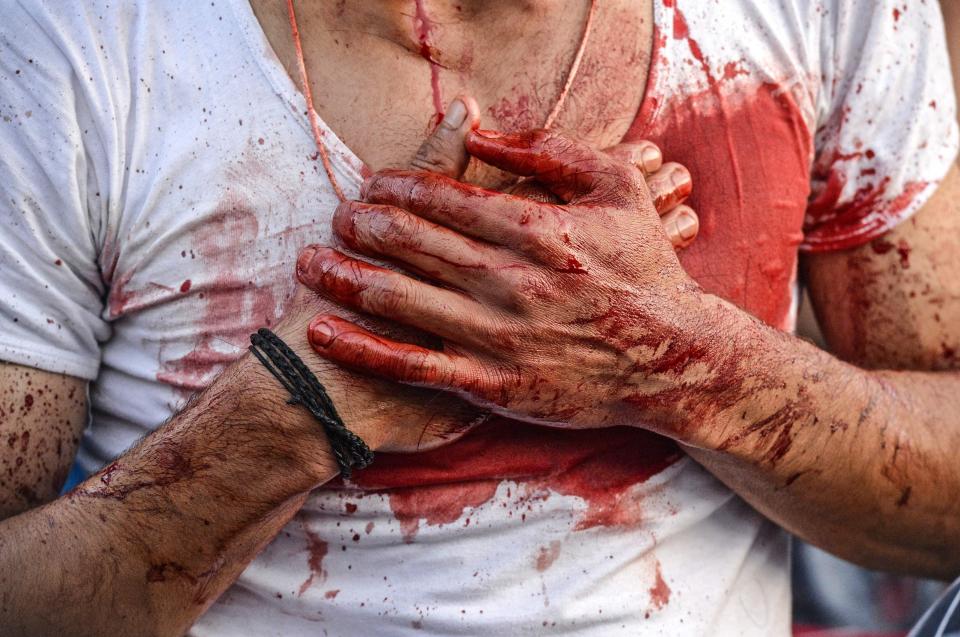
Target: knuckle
433	156
623	173
544	230
553	143
424	191
372	186
564	228
388	225
344	221
383	186
421	365
391	299
501	335
527	289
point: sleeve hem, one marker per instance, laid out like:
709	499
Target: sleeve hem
869	229
49	360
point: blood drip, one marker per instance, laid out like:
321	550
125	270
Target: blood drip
423	28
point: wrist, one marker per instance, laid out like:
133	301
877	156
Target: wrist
755	386
701	366
286	434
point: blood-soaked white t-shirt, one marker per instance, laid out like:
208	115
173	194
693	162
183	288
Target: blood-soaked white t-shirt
158	177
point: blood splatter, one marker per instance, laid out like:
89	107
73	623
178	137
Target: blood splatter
547	556
868	211
659	592
317	550
750	192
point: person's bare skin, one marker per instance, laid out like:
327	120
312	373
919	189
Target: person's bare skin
43	415
375	49
124	565
140	548
151	581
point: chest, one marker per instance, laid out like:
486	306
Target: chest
380	77
199	250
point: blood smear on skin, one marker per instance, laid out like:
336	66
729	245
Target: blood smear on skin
423	27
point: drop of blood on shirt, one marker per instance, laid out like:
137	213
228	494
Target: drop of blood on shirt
548	555
659	592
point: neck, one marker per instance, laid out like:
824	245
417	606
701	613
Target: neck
441	31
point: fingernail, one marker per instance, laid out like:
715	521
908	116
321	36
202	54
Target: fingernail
650	156
687	226
321	333
456	115
489	134
304	259
680	178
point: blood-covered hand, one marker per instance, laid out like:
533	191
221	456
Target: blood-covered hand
557	313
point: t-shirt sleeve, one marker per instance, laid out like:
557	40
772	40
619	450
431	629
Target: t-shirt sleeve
50	286
887	132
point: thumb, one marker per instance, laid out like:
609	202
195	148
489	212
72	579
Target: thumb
444	151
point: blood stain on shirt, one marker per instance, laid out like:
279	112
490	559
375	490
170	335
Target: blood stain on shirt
234	307
547	555
659	592
750	193
316	551
438	486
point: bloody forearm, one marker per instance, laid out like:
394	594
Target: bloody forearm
147	544
860	463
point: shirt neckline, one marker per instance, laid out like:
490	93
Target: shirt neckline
348	166
346	162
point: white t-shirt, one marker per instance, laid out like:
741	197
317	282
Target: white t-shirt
158	177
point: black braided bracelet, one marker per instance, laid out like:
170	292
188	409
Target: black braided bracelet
281	361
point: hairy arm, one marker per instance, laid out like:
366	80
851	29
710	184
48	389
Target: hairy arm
860	457
42	415
146	545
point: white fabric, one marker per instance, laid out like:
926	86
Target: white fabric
157	179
